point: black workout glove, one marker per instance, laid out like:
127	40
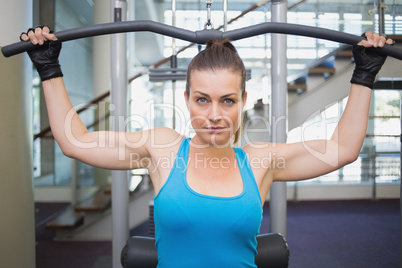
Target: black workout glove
46	58
368	63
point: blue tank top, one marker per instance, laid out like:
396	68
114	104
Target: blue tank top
196	230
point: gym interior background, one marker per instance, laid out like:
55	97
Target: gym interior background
40	183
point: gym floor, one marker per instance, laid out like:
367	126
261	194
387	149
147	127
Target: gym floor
338	234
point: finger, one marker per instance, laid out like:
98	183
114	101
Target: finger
363	43
39	36
382	41
367	42
390	41
376	39
369	36
47	35
32	37
45	30
24	37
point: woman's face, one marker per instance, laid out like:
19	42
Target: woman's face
215	104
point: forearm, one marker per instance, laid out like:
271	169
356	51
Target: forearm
352	126
67	127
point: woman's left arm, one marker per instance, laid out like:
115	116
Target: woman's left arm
309	159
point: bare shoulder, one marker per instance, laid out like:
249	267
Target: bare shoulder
153	142
259	149
164	139
165	136
269	155
163	145
260	155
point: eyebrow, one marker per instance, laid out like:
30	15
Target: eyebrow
222	97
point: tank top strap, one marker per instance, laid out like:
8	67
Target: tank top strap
179	167
182	154
245	170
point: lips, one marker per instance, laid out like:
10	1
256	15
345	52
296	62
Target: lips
215	130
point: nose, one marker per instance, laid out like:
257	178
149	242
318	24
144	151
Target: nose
214	114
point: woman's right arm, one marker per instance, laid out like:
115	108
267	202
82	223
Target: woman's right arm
105	149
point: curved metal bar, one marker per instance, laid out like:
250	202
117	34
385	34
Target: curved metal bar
201	37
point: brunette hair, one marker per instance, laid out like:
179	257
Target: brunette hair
218	55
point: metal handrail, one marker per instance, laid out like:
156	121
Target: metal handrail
46	130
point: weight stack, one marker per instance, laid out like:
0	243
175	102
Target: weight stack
151	219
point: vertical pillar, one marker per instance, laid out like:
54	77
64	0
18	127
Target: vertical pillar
279	107
225	15
46	15
368	164
17	225
400	191
101	50
101	77
381	16
117	123
173	64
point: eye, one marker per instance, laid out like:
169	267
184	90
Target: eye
201	100
229	101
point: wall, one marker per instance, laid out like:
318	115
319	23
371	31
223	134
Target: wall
17	225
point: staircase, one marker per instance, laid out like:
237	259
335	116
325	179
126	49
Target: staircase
91	218
321	84
327	81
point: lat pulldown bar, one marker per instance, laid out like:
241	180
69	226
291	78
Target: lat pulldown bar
202	36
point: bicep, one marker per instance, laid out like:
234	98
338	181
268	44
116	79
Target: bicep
111	150
308	159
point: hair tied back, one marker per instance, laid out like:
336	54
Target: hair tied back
216	44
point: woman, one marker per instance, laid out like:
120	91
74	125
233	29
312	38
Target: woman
209	195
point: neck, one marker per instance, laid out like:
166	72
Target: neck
211	150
